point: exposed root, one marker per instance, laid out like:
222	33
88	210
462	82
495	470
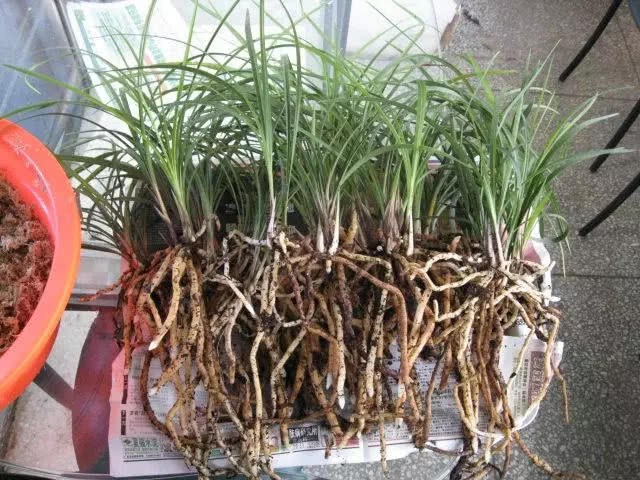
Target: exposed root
543	465
274	340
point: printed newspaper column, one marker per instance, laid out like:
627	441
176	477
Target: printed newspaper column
137	448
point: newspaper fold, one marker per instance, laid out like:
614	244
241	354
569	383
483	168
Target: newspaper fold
137	448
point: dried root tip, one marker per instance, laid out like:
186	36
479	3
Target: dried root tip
327	266
103	291
342	369
542	464
328	381
381	424
565	393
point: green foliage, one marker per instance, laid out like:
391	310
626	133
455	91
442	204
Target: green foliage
266	133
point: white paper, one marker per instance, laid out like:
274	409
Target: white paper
137	448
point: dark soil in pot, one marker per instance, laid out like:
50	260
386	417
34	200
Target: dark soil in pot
26	252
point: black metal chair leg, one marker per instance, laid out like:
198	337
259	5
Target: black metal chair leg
609	209
592	39
613	143
55	386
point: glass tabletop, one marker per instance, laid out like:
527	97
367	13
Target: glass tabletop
60	426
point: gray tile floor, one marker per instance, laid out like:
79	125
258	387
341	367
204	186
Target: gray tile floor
601	290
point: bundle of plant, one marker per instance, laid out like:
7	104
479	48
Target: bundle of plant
287	239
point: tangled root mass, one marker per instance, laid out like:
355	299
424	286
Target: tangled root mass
282	334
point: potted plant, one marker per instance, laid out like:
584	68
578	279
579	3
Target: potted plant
277	320
40	226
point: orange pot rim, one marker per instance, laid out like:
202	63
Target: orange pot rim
41	182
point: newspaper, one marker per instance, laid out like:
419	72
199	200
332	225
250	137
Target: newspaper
137	448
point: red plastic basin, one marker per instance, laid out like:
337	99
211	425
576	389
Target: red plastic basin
40	181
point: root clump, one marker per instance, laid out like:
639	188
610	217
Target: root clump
275	339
